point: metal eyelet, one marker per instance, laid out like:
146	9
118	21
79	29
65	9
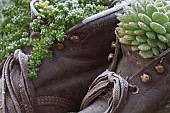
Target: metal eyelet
110	56
134	89
145	78
113	45
75	39
59	46
160	68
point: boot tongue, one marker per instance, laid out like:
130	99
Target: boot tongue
130	63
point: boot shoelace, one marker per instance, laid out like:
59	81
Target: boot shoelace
18	94
12	95
120	86
119	90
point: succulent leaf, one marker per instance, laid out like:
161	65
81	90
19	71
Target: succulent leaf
121	31
139	32
167	27
140	2
145	19
144	47
126	26
168	14
133	6
161	45
143	26
167	7
167	35
139	8
132	16
121	24
160	4
126	9
146	54
155	51
160	17
162	1
135	43
163	38
124	41
162	9
134	48
134	25
129	32
150	9
129	37
121	34
151	35
141	38
158	28
122	17
152	42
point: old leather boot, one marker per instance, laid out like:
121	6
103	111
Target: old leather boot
147	90
126	64
63	81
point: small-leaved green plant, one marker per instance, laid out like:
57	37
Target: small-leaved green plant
14	27
60	15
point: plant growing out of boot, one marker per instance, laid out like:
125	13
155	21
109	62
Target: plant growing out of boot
53	19
145	27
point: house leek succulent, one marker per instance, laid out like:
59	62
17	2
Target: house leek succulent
145	27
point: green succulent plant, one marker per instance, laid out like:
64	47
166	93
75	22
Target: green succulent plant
145	27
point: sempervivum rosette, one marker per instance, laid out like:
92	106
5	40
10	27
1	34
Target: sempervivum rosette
145	27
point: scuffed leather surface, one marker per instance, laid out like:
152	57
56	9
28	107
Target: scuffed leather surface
72	69
130	63
153	96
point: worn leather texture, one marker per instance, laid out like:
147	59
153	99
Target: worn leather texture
153	96
72	69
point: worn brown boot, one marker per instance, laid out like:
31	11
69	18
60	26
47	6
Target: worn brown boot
147	90
63	81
